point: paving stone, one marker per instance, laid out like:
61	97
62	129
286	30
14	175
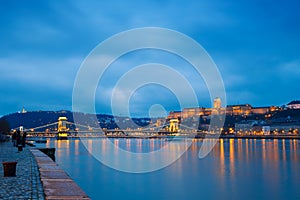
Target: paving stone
26	184
37	177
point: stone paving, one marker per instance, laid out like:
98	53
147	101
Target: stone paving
26	184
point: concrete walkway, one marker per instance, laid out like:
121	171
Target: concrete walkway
26	184
56	183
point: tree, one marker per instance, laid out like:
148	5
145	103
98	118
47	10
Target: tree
4	126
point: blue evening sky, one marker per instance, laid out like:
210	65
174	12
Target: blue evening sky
254	43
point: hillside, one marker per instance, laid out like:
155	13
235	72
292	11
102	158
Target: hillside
39	118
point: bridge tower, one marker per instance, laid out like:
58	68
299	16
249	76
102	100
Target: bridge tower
173	125
62	129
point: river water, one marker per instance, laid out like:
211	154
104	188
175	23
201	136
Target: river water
234	169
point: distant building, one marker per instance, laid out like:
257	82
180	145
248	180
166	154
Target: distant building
217	103
174	115
207	111
232	110
252	127
243	109
274	108
260	110
244	127
192	112
266	130
160	122
23	110
278	129
294	104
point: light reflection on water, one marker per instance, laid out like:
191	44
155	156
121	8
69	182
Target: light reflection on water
235	169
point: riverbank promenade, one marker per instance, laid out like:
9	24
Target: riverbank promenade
26	184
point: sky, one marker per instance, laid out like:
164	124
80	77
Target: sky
254	43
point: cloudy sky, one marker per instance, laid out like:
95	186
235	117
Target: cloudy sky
254	43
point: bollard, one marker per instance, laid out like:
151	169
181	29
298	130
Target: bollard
20	147
9	168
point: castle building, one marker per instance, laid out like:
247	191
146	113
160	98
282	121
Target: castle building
294	104
260	110
174	115
243	109
234	110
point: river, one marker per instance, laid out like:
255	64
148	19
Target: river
234	169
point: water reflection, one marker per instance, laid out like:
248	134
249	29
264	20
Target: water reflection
235	169
273	159
272	150
76	147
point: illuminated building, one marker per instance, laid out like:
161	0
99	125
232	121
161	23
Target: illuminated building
217	102
260	110
294	104
192	112
174	115
266	130
243	109
23	110
160	122
244	127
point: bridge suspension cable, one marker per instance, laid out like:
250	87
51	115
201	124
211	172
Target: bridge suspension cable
147	128
187	127
43	126
88	127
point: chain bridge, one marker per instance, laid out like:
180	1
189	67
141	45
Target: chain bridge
62	126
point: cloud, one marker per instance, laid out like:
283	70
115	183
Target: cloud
37	83
290	69
41	72
255	45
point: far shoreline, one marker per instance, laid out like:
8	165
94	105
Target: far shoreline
202	136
